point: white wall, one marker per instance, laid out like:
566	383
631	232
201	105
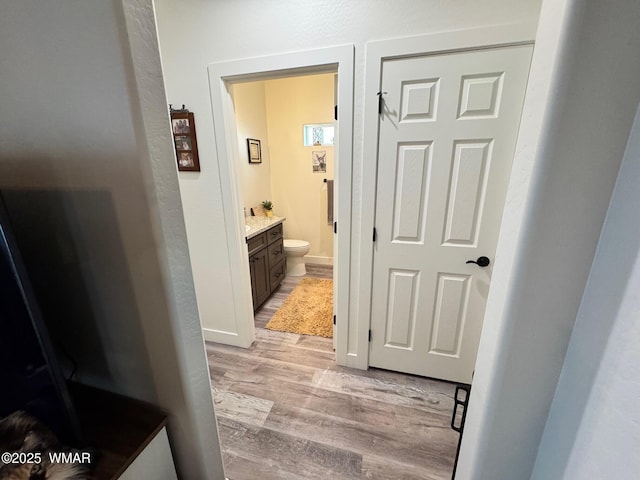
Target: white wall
583	92
221	30
592	430
299	194
82	95
251	122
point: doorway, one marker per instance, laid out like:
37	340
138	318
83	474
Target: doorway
222	77
290	122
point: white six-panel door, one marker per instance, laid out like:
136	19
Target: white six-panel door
447	134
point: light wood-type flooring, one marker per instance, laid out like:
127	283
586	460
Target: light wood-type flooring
285	410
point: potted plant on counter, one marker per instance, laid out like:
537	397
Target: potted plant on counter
268	208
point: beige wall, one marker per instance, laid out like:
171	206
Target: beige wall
274	111
298	193
251	122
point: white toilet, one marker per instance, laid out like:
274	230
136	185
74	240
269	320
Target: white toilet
295	250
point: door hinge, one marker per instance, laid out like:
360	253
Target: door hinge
335	112
375	234
369	335
381	102
335	227
334	319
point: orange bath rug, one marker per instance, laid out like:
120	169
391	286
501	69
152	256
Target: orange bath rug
308	310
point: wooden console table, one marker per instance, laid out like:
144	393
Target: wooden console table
129	435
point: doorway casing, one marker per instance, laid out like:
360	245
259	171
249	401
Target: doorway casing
222	75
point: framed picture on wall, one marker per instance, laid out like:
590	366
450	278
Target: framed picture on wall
184	139
319	161
253	148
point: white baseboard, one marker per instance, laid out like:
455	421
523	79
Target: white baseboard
227	338
318	260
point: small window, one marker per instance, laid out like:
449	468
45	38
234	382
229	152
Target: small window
320	134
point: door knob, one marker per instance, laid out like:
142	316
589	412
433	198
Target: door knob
481	261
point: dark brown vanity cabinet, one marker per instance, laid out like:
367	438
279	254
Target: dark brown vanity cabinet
260	283
267	264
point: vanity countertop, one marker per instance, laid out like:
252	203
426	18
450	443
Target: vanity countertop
257	225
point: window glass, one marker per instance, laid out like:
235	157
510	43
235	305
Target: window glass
320	134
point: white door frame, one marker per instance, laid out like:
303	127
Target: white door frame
221	76
377	52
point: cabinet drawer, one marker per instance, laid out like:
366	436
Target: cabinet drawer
276	252
277	274
256	243
274	233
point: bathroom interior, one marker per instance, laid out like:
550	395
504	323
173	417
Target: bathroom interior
285	129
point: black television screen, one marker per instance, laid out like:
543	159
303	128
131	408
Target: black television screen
30	377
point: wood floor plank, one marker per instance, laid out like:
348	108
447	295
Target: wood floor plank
275	336
234	359
290	354
305	458
384	391
270	380
267	350
261	371
243	408
375	467
430	449
238	465
349	407
216	372
400	378
319	271
312	342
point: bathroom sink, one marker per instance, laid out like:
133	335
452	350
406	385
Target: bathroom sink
247	228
